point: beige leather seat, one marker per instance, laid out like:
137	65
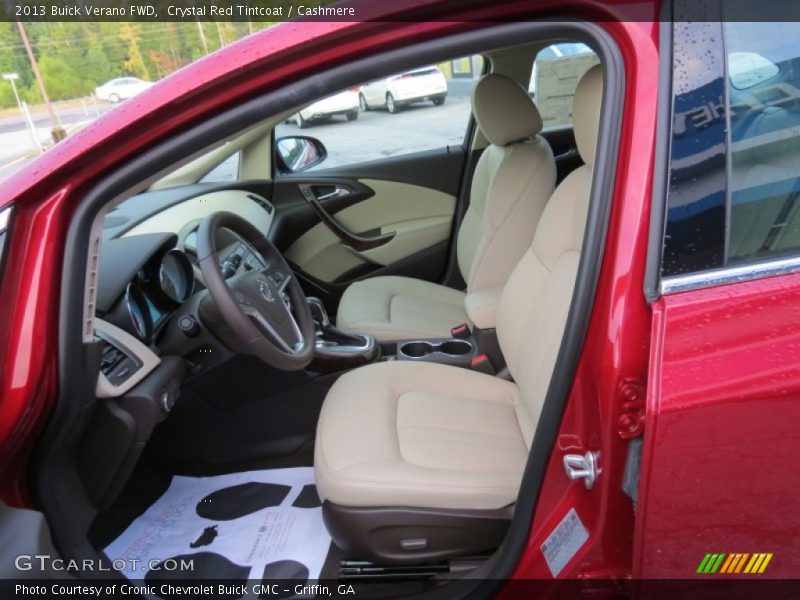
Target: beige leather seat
512	182
442	438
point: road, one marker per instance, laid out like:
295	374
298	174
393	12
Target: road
376	134
67	116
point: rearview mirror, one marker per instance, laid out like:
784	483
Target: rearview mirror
298	152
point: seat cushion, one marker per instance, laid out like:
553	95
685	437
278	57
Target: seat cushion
420	435
401	308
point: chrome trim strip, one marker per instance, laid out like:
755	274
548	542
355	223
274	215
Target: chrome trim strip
684	283
5	214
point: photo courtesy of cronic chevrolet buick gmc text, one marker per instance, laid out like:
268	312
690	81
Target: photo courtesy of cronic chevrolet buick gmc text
545	330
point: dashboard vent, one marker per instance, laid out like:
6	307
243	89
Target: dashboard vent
112	356
265	204
116	365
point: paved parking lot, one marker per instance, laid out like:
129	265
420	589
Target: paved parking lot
375	134
378	134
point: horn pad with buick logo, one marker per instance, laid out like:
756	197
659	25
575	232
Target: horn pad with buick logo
263	305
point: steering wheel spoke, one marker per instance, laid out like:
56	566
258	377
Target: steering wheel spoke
265	308
290	338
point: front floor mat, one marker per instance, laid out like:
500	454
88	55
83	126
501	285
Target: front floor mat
237	526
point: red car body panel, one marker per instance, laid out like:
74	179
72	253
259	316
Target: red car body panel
720	366
614	359
722	434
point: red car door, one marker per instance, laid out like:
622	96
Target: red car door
718	496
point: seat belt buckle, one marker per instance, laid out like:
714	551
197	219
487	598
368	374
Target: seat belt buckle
482	364
460	332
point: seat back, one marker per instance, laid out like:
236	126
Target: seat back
513	179
534	304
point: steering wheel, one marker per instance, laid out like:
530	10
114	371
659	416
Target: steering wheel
265	307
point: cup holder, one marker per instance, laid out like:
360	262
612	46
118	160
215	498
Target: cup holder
455	347
455	352
416	349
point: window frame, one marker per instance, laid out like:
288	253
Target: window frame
658	282
323	167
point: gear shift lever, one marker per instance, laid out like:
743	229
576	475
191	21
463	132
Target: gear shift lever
318	312
338	350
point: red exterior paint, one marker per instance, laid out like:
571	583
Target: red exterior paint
723	395
723	414
27	347
616	344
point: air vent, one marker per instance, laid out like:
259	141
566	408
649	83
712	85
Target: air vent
265	204
112	356
116	365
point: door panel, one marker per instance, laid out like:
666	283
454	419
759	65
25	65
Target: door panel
409	201
722	433
419	217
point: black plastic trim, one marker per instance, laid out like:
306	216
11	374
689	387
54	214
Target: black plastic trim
658	200
5	233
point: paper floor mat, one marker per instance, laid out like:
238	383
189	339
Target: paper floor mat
254	525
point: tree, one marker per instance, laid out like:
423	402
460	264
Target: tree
60	79
130	34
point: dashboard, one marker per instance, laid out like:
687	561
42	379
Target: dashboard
148	269
142	280
148	262
147	283
160	286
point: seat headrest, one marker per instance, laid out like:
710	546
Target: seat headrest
586	112
504	110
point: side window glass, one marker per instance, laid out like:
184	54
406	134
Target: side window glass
555	75
423	109
763	87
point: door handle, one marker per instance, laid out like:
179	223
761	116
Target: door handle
570	153
339	191
353	240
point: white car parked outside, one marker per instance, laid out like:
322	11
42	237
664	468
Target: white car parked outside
427	83
344	103
121	88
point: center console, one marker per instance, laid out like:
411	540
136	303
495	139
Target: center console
458	352
338	350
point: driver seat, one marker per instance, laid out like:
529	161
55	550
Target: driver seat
420	461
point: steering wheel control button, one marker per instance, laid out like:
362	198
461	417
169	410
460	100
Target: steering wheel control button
189	325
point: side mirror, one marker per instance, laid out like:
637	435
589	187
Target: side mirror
298	152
